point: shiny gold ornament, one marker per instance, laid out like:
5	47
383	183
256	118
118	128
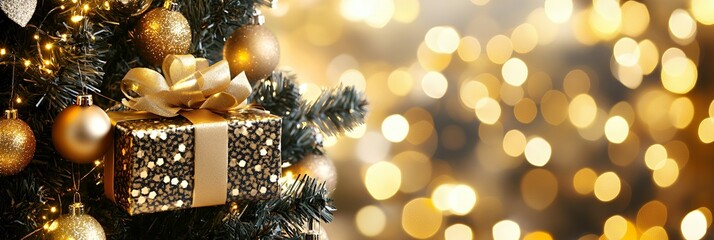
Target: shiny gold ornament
19	11
252	49
17	144
76	225
316	166
129	7
162	32
81	131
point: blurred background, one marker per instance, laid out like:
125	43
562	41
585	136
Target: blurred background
515	119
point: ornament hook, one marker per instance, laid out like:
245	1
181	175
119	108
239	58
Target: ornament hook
77	197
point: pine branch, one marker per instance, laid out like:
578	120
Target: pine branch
336	110
280	95
303	200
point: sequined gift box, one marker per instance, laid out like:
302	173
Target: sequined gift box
161	164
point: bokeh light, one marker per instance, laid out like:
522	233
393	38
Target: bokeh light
616	129
615	227
420	219
538	151
582	110
607	186
383	180
558	11
395	128
584	181
703	11
682	26
370	221
514	143
458	232
462	199
488	110
469	49
434	84
514	72
499	49
506	230
694	225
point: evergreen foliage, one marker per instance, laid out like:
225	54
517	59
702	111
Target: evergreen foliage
92	56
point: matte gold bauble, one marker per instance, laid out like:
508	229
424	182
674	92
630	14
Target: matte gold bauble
17	144
129	7
162	32
76	225
81	131
318	167
252	49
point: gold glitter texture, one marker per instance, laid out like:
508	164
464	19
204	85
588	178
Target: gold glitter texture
19	11
162	32
76	225
17	144
252	49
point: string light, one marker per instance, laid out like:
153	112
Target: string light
77	18
48	46
3	51
27	63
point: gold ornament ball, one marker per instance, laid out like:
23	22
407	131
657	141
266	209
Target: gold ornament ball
162	32
19	11
17	144
81	132
316	166
129	7
252	49
76	225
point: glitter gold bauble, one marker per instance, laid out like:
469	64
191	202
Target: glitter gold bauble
81	131
19	11
162	32
17	144
318	167
129	7
76	225
252	49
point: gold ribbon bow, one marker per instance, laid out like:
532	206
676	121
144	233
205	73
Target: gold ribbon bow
188	83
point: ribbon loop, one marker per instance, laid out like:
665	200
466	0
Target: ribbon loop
188	83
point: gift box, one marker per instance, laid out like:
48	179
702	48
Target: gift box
162	164
193	142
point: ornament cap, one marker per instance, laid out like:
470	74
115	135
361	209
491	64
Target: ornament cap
313	230
312	236
11	114
76	209
170	5
257	17
84	100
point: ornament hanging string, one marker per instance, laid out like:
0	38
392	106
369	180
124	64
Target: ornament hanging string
12	86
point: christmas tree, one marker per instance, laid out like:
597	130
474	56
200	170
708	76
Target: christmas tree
56	55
